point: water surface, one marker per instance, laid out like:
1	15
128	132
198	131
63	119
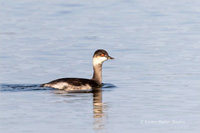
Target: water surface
156	69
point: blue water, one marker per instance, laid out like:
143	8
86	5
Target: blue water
151	86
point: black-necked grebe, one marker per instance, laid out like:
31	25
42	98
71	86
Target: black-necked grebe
83	84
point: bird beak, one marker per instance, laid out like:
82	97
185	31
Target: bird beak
109	57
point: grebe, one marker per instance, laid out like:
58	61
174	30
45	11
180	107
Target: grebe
69	84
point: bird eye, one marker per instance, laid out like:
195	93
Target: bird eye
102	55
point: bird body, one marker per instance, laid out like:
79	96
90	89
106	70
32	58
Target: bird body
80	83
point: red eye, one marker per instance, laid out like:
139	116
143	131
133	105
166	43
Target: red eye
102	55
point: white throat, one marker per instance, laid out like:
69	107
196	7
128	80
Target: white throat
98	60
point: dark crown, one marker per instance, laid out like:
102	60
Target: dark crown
99	52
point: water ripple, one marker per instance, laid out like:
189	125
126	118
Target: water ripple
22	87
36	87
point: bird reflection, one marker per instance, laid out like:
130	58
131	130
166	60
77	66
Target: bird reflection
98	109
98	106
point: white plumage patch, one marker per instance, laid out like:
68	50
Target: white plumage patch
66	86
99	60
60	85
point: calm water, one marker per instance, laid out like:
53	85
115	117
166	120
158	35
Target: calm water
152	85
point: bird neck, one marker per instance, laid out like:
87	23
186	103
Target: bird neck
97	75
